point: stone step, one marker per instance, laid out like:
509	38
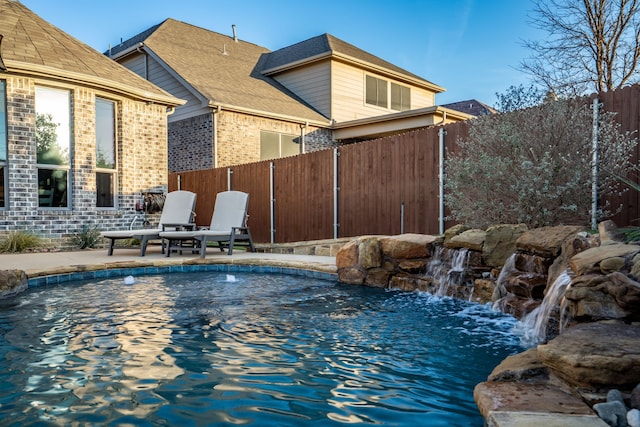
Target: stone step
517	404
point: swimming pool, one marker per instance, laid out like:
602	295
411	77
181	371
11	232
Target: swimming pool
212	348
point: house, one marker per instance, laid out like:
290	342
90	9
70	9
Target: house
81	137
472	107
246	103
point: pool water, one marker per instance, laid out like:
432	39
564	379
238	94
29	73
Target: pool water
209	348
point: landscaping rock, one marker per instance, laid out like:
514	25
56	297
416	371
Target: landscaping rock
595	355
613	413
12	282
634	399
406	246
523	366
471	239
500	243
596	297
589	260
546	241
633	418
609	233
369	254
525	397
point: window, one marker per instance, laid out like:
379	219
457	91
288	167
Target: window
105	153
275	145
400	97
53	146
376	91
3	143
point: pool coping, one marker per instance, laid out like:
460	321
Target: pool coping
113	270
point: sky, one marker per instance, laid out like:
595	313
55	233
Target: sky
472	48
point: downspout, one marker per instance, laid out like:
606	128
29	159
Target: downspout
215	136
303	127
441	134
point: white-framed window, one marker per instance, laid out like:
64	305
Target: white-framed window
275	145
53	146
379	91
400	97
105	153
3	144
376	91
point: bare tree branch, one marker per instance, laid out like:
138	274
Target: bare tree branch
592	45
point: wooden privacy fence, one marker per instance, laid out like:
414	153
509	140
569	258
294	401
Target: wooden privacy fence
386	186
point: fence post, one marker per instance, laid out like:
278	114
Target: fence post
336	190
594	167
229	173
272	202
441	134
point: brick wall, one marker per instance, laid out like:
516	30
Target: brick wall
141	162
191	146
239	136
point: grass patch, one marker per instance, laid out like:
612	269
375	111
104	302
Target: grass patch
88	238
19	241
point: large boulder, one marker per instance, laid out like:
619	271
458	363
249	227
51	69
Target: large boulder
500	243
407	246
470	239
546	241
596	297
591	259
595	356
12	282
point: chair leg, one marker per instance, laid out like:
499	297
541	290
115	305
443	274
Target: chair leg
168	249
232	242
203	247
253	249
110	251
143	246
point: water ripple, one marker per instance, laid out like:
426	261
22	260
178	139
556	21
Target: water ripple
196	349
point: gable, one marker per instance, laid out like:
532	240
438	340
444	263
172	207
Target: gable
33	46
225	71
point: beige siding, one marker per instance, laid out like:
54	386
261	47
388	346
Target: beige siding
311	83
421	98
349	95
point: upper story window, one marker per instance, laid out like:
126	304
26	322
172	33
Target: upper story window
3	143
53	146
275	145
400	97
105	153
377	93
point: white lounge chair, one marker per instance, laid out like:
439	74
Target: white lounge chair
177	214
228	226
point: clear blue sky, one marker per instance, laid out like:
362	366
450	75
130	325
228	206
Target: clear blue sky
470	47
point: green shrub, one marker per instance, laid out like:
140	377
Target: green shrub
19	241
533	166
87	238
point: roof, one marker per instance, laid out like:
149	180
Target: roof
33	46
224	70
471	106
326	45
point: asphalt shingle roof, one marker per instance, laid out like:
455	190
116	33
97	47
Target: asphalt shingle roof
328	44
29	39
223	70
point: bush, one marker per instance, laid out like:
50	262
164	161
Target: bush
533	166
19	241
87	238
